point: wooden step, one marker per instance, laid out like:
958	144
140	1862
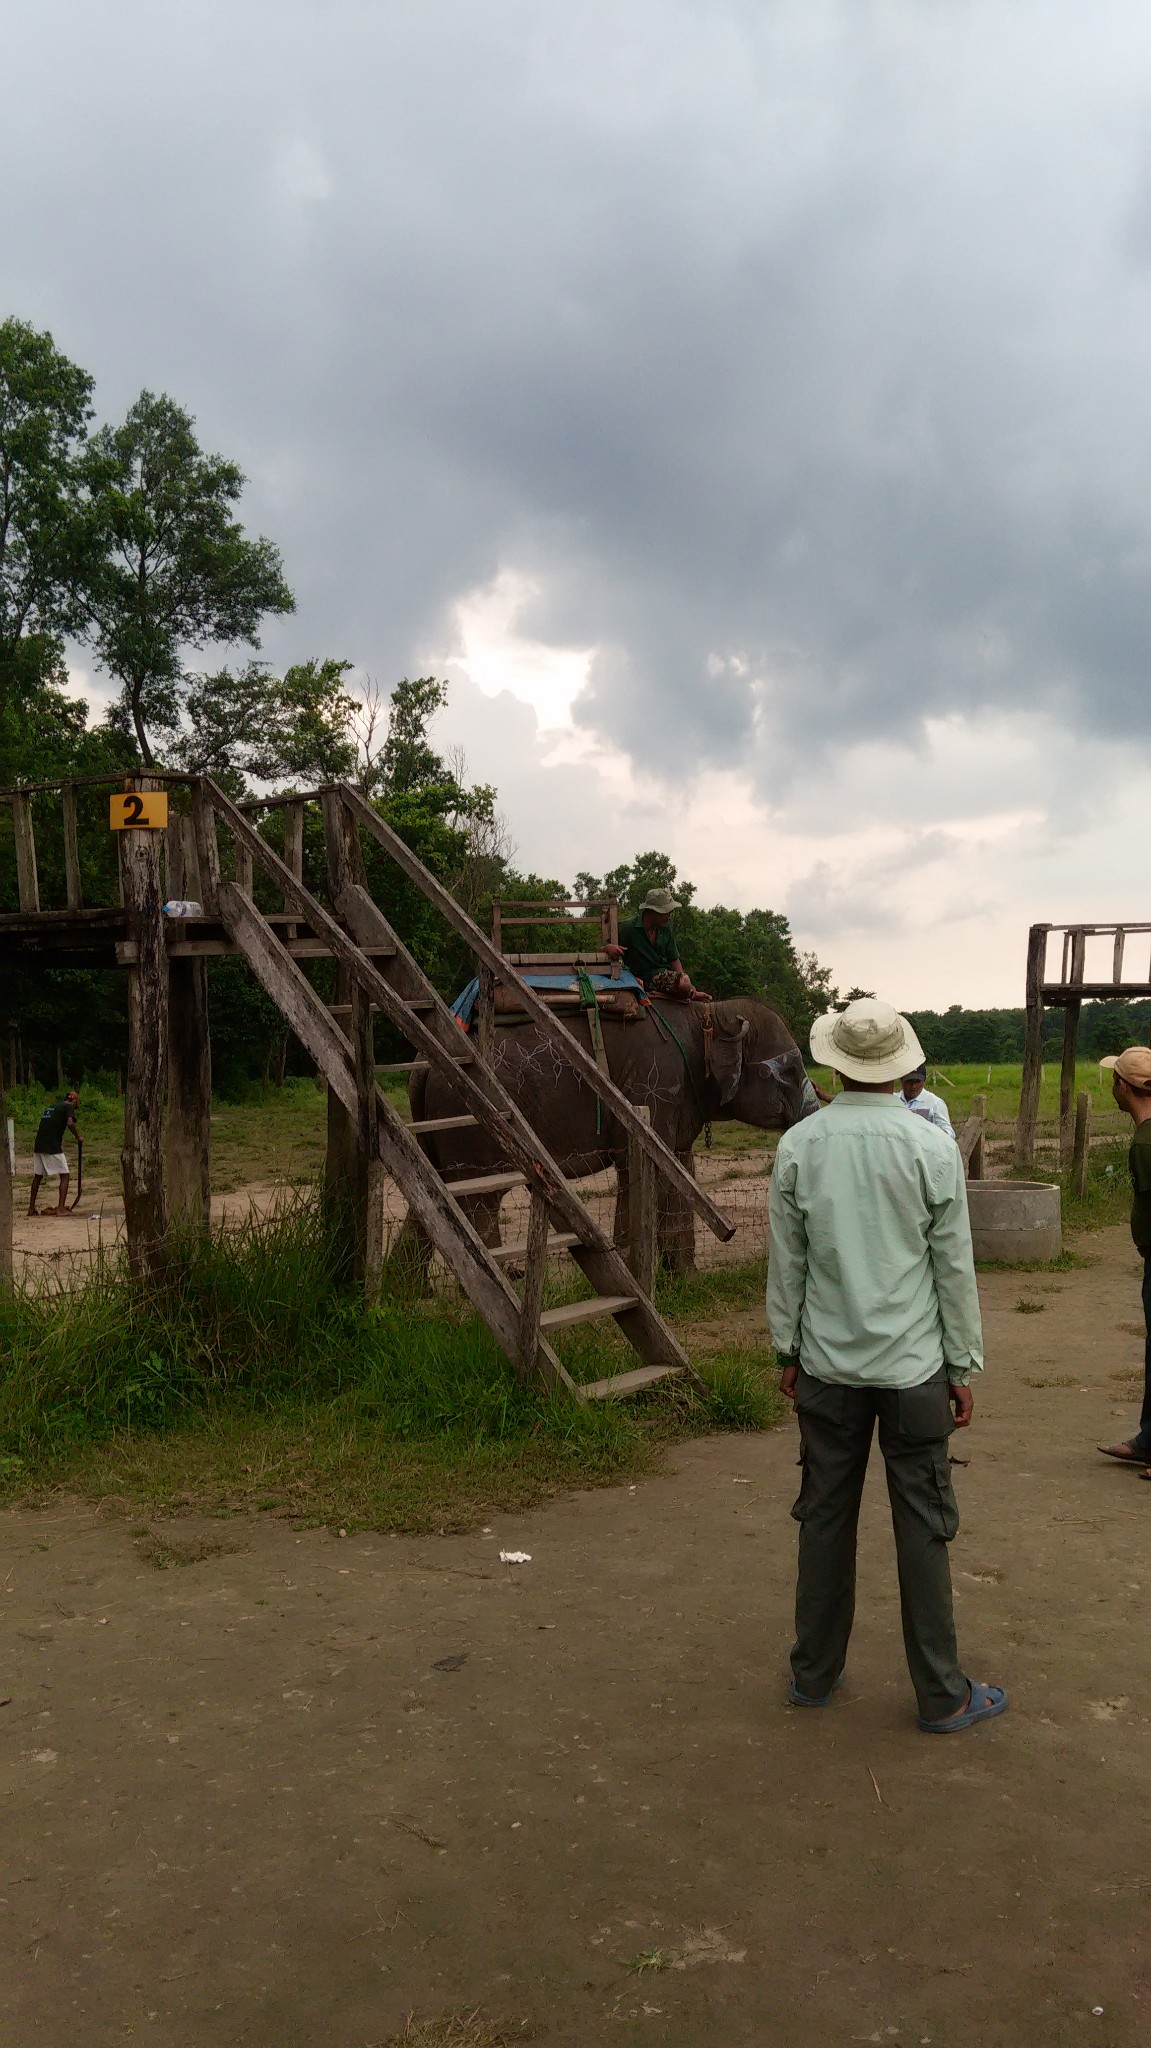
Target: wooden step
416	1003
487	1184
462	1059
444	1123
574	1312
559	1241
628	1382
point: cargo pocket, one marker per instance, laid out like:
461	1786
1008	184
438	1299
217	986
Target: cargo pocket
943	1508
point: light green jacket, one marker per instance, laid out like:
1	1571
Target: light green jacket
870	1278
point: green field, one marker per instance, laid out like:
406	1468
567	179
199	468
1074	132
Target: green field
278	1133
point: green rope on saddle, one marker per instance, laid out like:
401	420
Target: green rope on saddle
588	1002
662	1024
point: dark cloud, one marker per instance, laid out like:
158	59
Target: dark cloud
796	352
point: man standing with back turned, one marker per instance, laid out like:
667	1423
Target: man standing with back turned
873	1310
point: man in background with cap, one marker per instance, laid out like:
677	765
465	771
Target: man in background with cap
647	947
918	1098
874	1313
1131	1087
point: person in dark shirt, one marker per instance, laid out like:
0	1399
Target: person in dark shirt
1131	1087
48	1156
647	946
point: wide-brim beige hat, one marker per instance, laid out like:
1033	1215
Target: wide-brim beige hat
869	1041
661	901
1132	1066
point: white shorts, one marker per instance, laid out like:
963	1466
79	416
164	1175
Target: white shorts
50	1164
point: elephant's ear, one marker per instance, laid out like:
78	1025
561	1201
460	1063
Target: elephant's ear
727	1060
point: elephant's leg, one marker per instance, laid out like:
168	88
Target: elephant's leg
677	1224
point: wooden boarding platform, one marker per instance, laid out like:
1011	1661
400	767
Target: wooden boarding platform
210	851
1097	963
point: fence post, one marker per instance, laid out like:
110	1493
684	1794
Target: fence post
1033	1048
975	1167
641	1211
1081	1152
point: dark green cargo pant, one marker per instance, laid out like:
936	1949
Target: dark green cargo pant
835	1425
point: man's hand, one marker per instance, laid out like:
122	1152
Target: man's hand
789	1377
963	1404
614	952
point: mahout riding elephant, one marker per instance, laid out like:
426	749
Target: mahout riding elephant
688	1063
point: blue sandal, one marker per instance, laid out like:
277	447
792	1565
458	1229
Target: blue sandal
803	1699
984	1703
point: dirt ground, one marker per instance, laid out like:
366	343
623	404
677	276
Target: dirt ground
249	1803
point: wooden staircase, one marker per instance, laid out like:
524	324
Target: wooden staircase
378	973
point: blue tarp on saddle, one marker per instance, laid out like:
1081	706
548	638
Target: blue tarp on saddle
558	984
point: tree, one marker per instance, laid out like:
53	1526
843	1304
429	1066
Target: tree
48	539
252	722
178	570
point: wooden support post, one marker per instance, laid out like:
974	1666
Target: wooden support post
293	853
641	1212
145	1213
187	1142
975	1165
497	925
1032	1048
27	881
370	1206
73	890
243	868
486	1015
5	1192
532	1297
207	849
348	1183
1081	1150
1070	1045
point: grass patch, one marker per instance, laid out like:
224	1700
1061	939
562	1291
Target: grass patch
165	1551
251	1380
1025	1307
689	1296
461	2030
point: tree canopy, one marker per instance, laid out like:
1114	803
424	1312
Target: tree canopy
176	570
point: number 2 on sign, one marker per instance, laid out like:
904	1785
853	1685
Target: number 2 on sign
141	810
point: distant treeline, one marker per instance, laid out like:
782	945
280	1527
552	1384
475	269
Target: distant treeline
997	1035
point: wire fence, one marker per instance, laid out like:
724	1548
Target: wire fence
739	1190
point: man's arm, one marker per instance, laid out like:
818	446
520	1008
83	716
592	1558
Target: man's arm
949	1244
941	1116
786	1270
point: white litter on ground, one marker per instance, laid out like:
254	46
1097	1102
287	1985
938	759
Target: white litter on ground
515	1557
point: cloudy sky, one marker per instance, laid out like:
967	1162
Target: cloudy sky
746	405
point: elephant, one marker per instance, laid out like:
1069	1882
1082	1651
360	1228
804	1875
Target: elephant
690	1064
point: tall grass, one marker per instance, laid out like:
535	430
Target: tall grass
249	1334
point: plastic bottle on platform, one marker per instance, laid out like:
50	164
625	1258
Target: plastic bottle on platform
179	908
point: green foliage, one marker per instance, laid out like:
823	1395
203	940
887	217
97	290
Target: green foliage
45	513
249	721
997	1035
177	569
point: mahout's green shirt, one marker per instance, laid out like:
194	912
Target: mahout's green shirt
646	955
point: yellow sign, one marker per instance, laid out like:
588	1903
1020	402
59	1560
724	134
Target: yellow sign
142	810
